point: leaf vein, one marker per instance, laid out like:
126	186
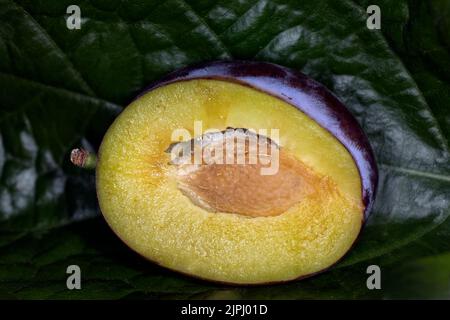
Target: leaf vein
62	54
211	31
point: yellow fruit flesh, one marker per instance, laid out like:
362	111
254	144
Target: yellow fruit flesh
139	195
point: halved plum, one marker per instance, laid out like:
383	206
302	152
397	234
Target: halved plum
275	186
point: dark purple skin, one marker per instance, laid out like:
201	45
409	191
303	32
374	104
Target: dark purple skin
302	92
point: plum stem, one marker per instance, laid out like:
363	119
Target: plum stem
83	158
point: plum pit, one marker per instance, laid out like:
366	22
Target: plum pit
243	187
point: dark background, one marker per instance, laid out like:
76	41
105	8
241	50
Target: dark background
61	88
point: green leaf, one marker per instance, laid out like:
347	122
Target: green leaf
425	278
61	88
417	32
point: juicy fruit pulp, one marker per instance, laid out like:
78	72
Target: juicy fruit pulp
273	229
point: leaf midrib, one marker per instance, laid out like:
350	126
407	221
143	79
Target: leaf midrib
414	172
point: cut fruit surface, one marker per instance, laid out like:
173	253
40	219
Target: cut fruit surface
228	222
